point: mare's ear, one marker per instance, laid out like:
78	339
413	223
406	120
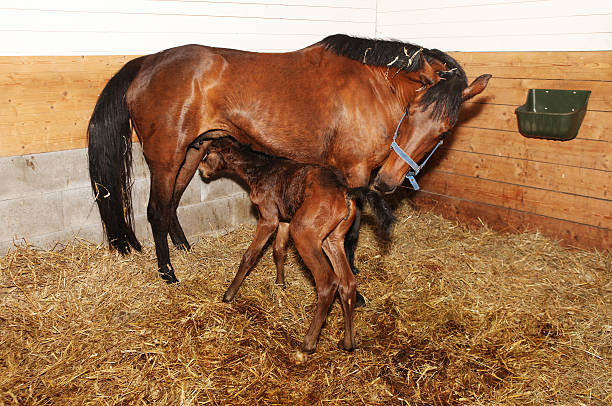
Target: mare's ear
427	74
477	86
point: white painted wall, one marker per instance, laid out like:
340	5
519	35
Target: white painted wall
82	27
498	25
132	27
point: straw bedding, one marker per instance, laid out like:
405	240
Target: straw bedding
454	316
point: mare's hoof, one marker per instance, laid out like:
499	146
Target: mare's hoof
183	246
359	300
227	297
170	279
167	274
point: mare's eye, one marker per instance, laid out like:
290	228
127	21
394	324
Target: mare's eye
444	135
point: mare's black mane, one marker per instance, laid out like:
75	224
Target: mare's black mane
446	95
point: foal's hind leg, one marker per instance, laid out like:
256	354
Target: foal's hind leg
308	239
333	246
193	158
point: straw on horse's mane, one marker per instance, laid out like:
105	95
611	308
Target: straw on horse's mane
401	55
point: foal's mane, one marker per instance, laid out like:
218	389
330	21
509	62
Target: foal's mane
445	95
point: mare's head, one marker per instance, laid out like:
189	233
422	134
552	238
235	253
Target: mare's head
429	117
430	85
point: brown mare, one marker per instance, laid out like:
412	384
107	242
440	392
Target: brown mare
336	102
312	204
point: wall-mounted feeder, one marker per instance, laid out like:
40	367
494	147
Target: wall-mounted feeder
552	114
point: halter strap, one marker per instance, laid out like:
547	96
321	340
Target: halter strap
416	168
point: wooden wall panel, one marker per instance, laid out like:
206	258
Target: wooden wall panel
589	65
46	101
489	171
487	165
525	172
474	214
592	154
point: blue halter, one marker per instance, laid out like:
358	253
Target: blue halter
415	167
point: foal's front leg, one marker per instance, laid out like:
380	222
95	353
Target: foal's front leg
265	227
280	251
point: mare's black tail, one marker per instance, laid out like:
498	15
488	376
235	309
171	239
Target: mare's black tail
382	210
110	159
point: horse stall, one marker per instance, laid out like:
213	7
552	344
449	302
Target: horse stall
494	286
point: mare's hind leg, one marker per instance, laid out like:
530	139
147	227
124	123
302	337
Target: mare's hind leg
193	158
159	213
280	251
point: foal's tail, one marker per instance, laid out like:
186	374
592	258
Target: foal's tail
382	210
110	159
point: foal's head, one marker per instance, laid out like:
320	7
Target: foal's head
226	155
214	161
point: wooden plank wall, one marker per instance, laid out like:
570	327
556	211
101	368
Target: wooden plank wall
47	100
490	172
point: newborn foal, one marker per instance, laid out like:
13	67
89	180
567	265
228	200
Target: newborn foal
314	205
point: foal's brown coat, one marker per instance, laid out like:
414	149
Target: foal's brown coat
314	205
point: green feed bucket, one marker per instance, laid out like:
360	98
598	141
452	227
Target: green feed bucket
552	114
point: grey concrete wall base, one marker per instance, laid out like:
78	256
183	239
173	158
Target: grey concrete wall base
46	201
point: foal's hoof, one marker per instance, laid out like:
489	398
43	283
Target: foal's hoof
343	347
300	357
359	300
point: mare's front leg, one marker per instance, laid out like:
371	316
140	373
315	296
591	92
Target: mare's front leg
280	251
352	237
350	245
266	224
357	176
